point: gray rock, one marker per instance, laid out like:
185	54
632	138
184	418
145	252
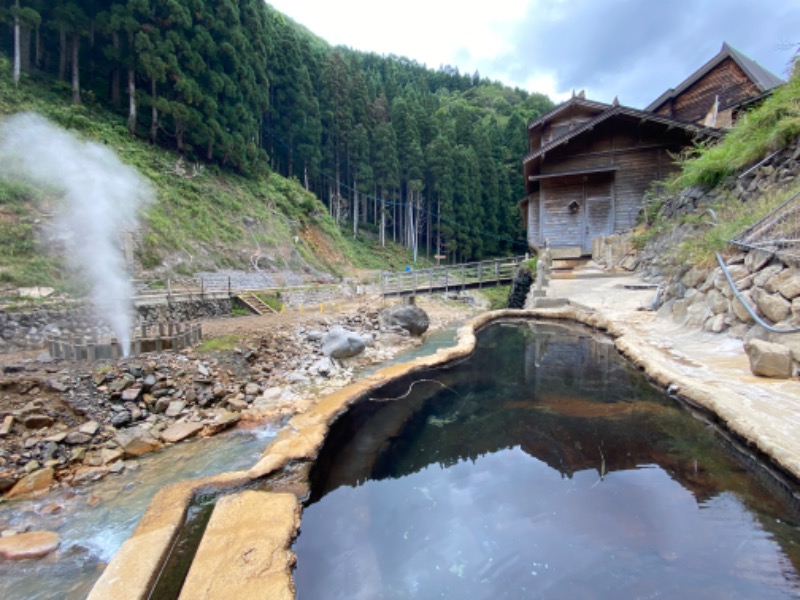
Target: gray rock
773	306
121	419
314	335
342	343
131	394
89	428
740	311
410	318
323	366
764	275
786	283
756	259
768	359
74	438
175	407
695	277
237	404
717	302
296	377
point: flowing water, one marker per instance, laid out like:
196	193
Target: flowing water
93	521
94	524
543	466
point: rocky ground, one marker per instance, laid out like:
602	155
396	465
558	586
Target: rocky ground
68	423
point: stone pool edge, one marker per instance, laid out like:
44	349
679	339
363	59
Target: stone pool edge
136	565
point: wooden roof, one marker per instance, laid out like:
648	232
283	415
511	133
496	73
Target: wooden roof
762	78
608	111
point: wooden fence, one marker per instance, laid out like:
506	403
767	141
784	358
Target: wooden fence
486	273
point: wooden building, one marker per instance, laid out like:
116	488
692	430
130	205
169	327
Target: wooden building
715	93
589	166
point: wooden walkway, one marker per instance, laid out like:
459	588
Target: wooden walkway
486	273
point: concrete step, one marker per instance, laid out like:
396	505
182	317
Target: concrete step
560	264
583	274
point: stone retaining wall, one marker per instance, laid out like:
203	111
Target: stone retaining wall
699	296
30	329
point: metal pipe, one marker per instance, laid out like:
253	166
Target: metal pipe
741	299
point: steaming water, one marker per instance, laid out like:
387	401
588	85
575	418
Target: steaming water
101	199
94	525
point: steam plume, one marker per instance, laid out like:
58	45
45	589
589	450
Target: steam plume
102	197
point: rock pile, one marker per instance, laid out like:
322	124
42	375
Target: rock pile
66	424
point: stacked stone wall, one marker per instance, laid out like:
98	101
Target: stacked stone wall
699	295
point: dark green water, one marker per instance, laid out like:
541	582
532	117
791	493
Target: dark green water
543	466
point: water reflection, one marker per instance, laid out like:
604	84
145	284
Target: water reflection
542	467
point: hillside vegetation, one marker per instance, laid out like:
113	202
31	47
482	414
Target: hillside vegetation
427	158
205	217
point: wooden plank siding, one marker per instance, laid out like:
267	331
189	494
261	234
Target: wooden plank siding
608	202
727	81
534	221
561	227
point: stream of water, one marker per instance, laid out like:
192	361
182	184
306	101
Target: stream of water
94	520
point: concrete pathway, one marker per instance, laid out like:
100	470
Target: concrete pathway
710	370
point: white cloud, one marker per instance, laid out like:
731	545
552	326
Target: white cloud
633	49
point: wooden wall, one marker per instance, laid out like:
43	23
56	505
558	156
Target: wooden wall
726	80
636	154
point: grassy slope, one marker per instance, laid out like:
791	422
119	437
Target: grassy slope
204	218
770	127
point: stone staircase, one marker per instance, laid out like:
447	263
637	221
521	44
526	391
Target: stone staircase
254	303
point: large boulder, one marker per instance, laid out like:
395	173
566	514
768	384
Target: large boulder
406	316
342	343
768	359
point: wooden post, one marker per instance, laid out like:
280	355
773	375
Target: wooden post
480	275
116	351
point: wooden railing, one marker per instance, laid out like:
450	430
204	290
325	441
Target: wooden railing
486	273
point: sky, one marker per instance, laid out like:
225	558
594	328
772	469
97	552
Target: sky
630	49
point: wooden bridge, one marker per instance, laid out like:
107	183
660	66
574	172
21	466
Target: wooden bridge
486	273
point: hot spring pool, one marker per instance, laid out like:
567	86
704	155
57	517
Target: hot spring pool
542	466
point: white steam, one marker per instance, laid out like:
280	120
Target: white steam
102	197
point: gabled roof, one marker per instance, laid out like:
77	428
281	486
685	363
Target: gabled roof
763	79
609	111
565	106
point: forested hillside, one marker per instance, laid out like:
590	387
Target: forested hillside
428	158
